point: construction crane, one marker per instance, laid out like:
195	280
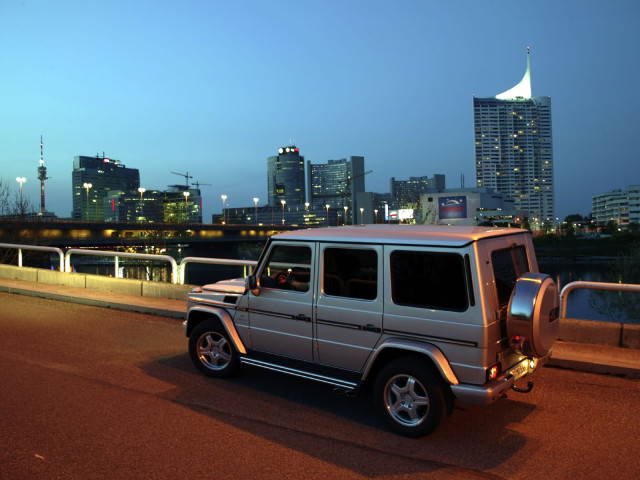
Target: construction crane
186	177
197	184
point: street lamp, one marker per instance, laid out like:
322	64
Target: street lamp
283	204
186	204
345	214
375	218
361	212
255	208
87	186
327	206
224	203
141	190
21	180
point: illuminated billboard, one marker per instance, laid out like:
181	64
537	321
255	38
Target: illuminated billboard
452	207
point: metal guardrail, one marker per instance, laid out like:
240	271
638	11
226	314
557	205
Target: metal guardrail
215	261
568	288
117	255
36	248
177	271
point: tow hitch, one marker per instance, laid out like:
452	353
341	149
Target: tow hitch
527	389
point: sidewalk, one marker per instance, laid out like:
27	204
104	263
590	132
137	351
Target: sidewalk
577	356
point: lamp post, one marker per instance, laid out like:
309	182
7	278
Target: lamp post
375	218
224	203
327	206
283	204
87	186
141	190
21	180
361	215
345	214
255	208
186	204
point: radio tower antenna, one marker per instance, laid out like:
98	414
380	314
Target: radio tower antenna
42	176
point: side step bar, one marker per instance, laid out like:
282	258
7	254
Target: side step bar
349	386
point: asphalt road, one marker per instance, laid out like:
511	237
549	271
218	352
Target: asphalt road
87	392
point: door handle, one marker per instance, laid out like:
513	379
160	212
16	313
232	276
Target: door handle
302	317
371	328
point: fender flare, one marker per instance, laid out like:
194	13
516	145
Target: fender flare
431	351
225	320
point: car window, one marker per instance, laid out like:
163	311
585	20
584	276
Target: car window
508	265
287	268
429	280
350	272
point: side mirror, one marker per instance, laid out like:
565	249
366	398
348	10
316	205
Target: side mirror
252	283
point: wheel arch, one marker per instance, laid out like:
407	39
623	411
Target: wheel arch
396	348
197	315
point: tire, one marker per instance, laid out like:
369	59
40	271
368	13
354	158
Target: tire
409	394
211	350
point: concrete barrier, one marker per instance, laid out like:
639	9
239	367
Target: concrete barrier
28	274
54	277
117	285
631	335
590	331
165	290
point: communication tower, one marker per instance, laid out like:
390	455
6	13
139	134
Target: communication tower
42	176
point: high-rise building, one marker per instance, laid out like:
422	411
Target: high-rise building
93	178
285	177
513	145
336	183
406	193
177	205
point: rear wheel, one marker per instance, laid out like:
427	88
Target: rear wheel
409	394
211	350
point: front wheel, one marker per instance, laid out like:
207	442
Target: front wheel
410	396
211	350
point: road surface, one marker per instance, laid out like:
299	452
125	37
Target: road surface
89	392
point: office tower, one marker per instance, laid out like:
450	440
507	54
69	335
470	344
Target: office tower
336	182
285	177
406	193
513	145
93	178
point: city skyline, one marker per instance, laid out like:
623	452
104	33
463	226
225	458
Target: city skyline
216	89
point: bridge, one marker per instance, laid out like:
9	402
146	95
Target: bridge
64	234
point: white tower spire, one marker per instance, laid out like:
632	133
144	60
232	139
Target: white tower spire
522	89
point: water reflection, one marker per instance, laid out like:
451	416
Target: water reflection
578	301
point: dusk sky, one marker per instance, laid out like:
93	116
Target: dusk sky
213	88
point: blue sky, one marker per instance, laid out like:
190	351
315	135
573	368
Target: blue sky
215	87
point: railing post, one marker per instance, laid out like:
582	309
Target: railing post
20	257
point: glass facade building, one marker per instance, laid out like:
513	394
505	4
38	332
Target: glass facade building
513	148
336	183
406	193
285	177
93	179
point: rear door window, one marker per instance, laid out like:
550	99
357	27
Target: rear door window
508	265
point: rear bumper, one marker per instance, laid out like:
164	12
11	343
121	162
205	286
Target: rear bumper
485	394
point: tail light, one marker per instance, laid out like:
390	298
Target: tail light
493	372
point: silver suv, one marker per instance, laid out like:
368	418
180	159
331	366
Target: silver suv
425	315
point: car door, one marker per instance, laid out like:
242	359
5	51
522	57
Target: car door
280	314
348	315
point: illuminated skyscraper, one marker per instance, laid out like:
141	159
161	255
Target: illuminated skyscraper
514	153
92	179
285	177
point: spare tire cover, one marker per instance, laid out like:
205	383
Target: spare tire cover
532	316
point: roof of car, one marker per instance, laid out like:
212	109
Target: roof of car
454	236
